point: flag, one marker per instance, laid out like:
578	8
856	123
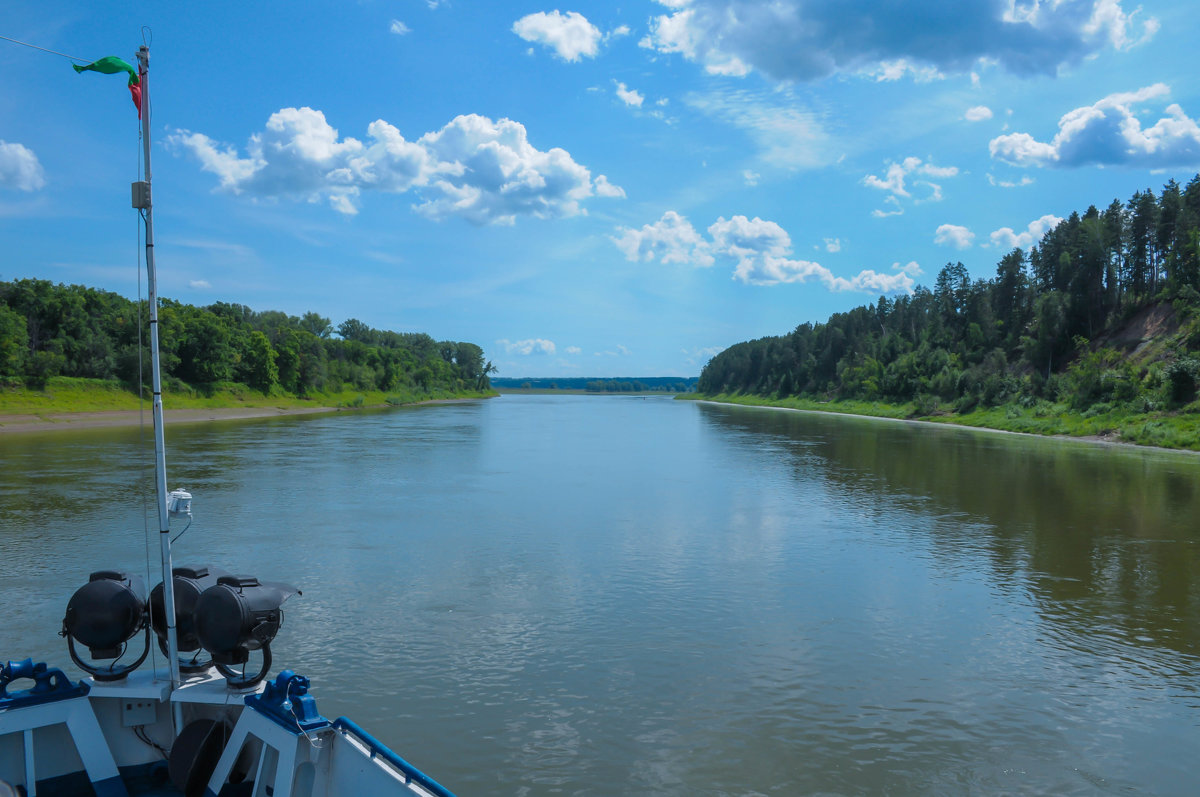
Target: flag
111	65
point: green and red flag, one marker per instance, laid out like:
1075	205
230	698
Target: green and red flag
111	65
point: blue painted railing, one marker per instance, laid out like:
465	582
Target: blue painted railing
381	750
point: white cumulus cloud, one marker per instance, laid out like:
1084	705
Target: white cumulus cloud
527	347
893	203
399	28
19	167
896	182
891	71
605	188
760	251
628	95
1024	181
953	235
700	356
1109	133
481	170
1109	19
570	35
978	113
740	236
1007	238
671	239
796	40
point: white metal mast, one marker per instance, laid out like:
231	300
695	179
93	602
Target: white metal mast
141	200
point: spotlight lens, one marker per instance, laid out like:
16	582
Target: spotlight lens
189	584
220	619
105	612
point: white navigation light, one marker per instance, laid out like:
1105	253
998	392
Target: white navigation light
179	503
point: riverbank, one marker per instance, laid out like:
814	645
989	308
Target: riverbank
44	422
67	403
1173	431
51	421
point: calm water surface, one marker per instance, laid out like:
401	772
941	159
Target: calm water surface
542	595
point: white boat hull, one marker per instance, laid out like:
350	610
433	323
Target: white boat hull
117	736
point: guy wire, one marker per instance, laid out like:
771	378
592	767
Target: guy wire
43	49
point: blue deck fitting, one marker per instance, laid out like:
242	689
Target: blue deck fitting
286	701
49	684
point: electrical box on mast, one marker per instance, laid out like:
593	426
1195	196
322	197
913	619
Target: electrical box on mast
141	194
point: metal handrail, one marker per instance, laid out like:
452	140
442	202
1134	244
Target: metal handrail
381	750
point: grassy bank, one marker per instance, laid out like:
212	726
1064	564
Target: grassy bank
1179	429
64	395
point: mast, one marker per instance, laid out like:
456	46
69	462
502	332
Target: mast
160	464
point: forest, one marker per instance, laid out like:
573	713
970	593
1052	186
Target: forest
1102	313
49	330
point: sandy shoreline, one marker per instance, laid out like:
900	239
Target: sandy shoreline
43	422
54	421
1091	439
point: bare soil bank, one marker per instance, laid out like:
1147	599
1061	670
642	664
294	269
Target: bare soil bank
51	421
42	422
1105	440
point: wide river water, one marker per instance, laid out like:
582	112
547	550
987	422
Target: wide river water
538	595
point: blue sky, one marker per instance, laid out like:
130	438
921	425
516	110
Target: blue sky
586	189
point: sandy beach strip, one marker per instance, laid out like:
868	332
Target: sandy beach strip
1107	440
44	422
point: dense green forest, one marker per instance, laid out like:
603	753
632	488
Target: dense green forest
49	330
621	384
1103	313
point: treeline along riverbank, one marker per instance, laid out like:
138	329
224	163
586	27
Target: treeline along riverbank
51	331
1094	330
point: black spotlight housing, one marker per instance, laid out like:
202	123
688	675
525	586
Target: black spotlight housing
103	615
189	582
239	615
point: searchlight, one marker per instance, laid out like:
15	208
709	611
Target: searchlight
103	615
236	616
189	583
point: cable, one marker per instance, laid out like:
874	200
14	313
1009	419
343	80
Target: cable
180	534
311	737
140	732
43	49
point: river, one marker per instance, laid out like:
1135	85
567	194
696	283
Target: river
587	595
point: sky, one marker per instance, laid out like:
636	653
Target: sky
587	189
